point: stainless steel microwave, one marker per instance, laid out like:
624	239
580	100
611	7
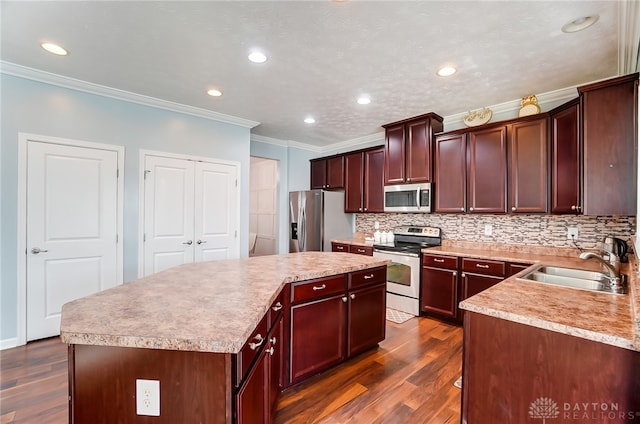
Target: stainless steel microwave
408	198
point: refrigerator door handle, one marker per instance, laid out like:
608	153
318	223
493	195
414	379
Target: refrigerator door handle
302	234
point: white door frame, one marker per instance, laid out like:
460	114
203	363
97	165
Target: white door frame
142	160
23	139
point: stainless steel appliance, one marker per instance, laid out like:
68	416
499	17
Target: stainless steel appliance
315	218
403	273
408	198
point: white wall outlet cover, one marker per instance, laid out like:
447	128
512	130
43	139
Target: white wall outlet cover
148	397
572	233
488	229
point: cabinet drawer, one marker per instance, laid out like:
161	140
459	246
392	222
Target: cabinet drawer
318	288
251	348
276	309
361	250
367	277
439	261
339	247
483	266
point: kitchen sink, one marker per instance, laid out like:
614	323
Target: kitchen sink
575	278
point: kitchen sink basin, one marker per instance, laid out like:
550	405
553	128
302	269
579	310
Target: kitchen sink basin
575	278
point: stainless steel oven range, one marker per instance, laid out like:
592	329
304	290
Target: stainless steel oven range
403	273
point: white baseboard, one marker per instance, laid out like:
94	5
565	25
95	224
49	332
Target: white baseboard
8	343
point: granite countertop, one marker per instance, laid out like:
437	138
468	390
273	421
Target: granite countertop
601	317
208	306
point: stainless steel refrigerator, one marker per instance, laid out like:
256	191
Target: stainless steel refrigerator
315	218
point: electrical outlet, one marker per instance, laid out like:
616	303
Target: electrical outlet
488	229
148	397
572	233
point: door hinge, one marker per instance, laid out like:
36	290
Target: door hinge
235	234
236	182
117	238
144	237
145	173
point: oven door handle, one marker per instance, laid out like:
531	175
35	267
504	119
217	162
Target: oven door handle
386	252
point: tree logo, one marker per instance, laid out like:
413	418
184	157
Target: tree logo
543	408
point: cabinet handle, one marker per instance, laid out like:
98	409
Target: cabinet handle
339	247
482	266
438	260
352	296
260	340
455	273
322	287
189	242
273	340
361	251
471	209
513	208
575	208
344	299
461	209
463	275
368	277
365	209
277	307
270	351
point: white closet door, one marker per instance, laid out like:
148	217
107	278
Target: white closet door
168	213
72	213
216	207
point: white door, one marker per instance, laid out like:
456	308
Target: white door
216	216
190	212
71	229
168	213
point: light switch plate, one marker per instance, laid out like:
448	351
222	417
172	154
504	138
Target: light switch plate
148	397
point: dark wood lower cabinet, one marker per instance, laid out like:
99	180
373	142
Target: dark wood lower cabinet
252	398
440	291
514	373
318	336
367	312
473	284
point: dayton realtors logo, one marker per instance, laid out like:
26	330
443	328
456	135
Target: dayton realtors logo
544	408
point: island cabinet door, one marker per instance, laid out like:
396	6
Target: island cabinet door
439	291
366	321
252	398
318	336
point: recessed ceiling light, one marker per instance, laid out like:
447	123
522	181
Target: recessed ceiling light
214	93
580	23
54	48
257	57
364	100
446	71
309	120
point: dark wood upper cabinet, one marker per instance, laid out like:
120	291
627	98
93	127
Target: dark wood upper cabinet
487	171
450	173
327	173
408	146
565	158
609	131
364	181
528	167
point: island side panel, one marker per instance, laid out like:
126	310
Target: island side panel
194	386
514	373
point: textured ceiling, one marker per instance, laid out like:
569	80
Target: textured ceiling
322	55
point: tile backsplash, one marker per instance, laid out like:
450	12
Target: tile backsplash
541	230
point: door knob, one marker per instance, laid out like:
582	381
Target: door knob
188	242
37	250
201	242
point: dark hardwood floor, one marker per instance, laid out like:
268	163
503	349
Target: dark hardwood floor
408	378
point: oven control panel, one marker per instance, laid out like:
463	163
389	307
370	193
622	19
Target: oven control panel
418	231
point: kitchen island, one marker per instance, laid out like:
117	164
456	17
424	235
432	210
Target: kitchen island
208	333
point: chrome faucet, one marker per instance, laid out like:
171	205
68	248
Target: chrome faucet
611	270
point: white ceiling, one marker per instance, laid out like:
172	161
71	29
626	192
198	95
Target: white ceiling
322	55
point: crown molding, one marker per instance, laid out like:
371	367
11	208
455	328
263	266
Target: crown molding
15	70
368	140
512	106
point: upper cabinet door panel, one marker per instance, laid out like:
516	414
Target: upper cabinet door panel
565	159
610	157
395	155
418	151
528	167
450	173
487	178
318	173
335	172
374	180
353	193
